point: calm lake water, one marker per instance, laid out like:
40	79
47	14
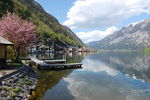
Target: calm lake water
105	76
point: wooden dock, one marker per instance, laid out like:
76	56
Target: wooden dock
45	66
55	61
28	61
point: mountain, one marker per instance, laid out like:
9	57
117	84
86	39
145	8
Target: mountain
48	29
133	36
73	34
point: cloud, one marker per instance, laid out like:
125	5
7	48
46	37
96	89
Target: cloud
98	66
104	13
95	35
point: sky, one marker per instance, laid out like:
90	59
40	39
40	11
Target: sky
93	20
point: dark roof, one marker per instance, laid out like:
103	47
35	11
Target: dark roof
5	42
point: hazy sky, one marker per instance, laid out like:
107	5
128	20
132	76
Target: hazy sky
93	20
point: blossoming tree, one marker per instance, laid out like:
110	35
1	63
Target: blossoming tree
18	31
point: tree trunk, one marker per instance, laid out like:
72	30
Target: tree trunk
18	55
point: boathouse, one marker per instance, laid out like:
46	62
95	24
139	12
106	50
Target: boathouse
3	50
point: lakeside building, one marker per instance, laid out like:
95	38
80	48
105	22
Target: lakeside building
3	50
41	49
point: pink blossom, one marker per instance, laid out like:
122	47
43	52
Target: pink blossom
17	30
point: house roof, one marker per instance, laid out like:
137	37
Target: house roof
5	42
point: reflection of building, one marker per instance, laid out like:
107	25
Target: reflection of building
3	49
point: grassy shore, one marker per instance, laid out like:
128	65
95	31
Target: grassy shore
118	50
147	51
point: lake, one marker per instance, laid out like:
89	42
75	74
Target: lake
105	76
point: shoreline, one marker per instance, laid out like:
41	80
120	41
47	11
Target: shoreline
19	84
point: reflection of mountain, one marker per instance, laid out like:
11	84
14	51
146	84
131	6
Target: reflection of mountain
133	64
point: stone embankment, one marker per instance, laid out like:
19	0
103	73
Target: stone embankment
18	85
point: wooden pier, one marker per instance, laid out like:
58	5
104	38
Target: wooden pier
41	65
48	61
55	61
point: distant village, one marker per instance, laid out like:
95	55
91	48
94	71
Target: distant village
40	48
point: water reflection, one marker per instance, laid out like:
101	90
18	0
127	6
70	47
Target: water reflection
48	79
135	65
103	87
105	76
98	66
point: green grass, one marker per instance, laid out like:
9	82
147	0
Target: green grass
12	91
27	80
15	64
24	81
116	50
147	51
20	82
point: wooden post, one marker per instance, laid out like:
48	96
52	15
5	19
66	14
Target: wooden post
5	52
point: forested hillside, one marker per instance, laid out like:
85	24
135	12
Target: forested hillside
48	28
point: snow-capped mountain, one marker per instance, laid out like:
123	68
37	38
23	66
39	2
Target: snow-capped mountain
135	35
